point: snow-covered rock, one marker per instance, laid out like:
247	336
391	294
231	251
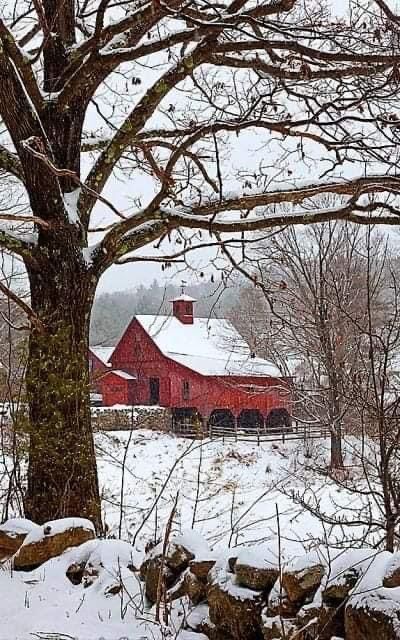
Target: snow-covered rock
278	604
51	540
201	568
195	589
256	569
12	534
179	552
392	574
320	621
234	610
344	573
277	628
302	578
373	611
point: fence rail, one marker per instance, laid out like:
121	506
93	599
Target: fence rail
299	431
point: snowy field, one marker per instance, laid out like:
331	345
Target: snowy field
230	493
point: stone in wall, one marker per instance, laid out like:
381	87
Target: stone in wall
302	578
51	540
257	571
234	610
379	620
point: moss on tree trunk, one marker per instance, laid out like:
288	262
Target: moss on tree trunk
62	474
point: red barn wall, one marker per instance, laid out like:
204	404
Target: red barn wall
137	354
117	390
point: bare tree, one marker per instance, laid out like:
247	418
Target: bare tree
178	86
373	395
310	283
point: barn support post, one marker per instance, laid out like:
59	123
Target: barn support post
203	423
207	429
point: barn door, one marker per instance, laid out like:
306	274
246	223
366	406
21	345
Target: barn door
154	390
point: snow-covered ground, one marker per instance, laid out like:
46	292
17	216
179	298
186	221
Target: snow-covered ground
229	492
233	493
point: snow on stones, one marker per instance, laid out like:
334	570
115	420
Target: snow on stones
392	573
277	627
278	603
51	540
105	563
206	594
180	551
373	610
303	578
345	572
257	570
234	609
12	534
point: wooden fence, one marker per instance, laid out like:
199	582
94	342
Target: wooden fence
298	431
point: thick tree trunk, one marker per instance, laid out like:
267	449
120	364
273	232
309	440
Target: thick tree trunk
62	475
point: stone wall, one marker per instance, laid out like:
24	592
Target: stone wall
249	595
140	417
237	594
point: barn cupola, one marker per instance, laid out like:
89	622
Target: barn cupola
182	308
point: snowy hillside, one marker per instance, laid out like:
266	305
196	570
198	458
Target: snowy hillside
231	493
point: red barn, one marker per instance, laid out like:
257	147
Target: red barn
201	368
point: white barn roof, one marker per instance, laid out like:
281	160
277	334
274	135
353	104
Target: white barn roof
211	347
103	353
123	374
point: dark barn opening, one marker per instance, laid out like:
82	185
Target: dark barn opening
250	420
278	421
221	419
186	420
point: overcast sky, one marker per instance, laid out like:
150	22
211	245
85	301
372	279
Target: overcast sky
120	193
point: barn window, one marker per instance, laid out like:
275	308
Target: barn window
185	390
188	308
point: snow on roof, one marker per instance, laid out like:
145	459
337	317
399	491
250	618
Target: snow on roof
183	297
103	353
211	347
123	374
